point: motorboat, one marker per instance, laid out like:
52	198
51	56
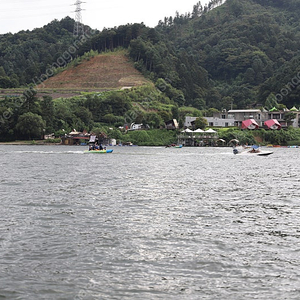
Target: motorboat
99	151
174	146
254	150
94	147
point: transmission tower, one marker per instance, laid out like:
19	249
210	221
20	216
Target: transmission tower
78	26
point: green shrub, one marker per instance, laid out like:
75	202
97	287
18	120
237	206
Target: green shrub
293	143
54	141
154	137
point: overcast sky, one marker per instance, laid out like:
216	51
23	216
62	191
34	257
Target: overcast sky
16	15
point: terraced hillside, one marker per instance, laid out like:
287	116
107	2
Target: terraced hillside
104	71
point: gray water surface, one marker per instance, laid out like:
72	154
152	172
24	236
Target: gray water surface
148	223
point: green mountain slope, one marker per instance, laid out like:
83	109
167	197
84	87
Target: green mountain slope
247	47
26	54
233	54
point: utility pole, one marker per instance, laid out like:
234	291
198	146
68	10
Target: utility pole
78	26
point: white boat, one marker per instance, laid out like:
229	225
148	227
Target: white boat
254	150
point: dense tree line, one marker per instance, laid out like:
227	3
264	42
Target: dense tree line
224	54
30	117
26	54
245	47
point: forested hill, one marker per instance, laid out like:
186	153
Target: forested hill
234	53
26	54
239	52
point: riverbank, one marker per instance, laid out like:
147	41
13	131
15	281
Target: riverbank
158	137
29	143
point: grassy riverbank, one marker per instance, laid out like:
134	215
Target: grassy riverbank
33	142
158	137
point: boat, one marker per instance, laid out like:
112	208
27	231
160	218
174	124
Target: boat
99	151
174	146
255	150
94	147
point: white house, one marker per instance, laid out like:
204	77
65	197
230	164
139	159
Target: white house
188	121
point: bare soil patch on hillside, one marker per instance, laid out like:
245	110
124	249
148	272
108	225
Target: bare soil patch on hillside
113	71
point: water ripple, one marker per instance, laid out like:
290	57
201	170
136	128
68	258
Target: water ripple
148	223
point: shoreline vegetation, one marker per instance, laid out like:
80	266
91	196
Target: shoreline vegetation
29	143
160	137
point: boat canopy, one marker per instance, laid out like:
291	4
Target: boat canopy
221	140
92	139
233	141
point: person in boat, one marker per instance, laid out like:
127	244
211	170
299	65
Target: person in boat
254	150
100	147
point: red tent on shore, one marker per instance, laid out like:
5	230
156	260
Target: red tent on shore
273	124
250	124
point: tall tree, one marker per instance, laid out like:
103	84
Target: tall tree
30	125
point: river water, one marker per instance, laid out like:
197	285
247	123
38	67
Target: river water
148	223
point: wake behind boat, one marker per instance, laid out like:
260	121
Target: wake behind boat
253	150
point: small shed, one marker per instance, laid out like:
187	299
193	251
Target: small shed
172	124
